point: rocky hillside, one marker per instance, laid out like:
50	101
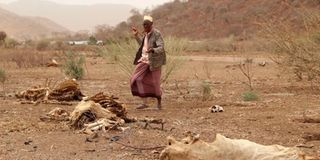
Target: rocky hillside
205	19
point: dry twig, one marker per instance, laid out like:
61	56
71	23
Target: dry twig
140	148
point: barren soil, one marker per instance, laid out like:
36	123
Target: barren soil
269	120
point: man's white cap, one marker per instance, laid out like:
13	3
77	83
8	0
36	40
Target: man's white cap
148	18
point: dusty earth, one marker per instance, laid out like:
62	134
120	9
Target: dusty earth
269	120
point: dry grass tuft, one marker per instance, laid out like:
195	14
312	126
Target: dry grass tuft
26	58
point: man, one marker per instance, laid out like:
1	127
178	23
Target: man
146	79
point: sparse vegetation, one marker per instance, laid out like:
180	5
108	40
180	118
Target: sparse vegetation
217	46
59	45
202	77
24	58
123	53
92	40
297	53
3	78
250	96
3	36
74	65
206	90
246	69
10	43
43	45
174	49
207	70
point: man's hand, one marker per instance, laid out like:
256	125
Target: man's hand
150	50
134	31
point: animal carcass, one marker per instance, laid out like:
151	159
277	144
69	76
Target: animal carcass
67	90
88	112
192	148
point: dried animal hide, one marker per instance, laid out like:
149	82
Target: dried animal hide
66	91
110	103
33	94
88	112
192	148
88	116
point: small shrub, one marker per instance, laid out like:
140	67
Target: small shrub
10	43
59	45
250	96
174	49
3	36
316	37
246	69
43	45
92	40
29	44
207	70
122	53
206	90
3	78
74	65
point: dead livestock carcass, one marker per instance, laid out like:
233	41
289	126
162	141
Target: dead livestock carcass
88	112
90	116
68	90
192	148
33	94
111	104
52	63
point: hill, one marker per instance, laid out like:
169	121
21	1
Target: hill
73	17
205	19
20	27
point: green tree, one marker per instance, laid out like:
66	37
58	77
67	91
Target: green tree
92	40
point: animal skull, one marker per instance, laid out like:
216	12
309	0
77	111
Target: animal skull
216	108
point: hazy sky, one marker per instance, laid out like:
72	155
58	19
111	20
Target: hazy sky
136	3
